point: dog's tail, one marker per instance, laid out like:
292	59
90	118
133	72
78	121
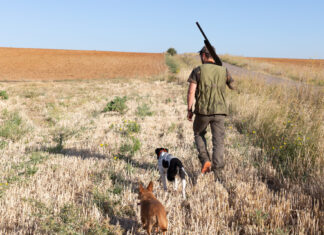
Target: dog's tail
175	167
183	172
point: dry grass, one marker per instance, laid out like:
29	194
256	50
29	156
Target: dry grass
76	169
309	71
18	64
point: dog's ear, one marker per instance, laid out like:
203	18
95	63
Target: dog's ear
150	187
141	188
167	150
157	151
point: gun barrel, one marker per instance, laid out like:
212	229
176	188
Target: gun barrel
202	32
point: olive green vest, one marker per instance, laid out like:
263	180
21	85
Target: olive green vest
210	96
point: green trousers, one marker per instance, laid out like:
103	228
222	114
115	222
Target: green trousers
216	123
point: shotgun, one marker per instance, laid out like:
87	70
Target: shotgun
210	48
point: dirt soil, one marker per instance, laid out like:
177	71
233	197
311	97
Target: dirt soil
20	64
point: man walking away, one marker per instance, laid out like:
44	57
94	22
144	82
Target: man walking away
207	85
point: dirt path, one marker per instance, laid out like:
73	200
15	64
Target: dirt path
270	79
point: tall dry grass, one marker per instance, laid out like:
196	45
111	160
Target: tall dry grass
287	124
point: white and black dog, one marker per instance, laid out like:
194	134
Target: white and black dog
170	167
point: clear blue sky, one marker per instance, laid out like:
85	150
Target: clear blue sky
293	29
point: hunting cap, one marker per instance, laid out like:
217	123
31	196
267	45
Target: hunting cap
205	50
217	59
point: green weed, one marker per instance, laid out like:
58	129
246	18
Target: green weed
129	128
131	146
172	127
54	113
66	221
4	95
12	127
23	170
260	217
60	136
3	144
30	94
118	104
172	78
143	111
104	203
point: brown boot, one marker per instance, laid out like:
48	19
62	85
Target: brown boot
206	167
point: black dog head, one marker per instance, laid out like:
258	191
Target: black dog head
159	150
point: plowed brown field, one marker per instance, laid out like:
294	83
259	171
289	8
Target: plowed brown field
299	62
20	64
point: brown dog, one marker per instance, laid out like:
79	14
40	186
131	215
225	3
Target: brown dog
152	211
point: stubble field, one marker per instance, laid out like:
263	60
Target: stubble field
73	152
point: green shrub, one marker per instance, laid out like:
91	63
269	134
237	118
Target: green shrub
66	221
59	136
133	127
3	144
131	146
3	95
22	170
172	127
173	65
103	202
143	110
30	94
118	104
13	126
130	127
171	51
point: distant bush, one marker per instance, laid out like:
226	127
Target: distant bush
171	51
173	65
3	95
118	104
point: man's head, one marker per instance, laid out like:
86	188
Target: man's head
206	57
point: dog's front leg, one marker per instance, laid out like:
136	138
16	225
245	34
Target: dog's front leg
184	189
164	182
163	177
176	183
